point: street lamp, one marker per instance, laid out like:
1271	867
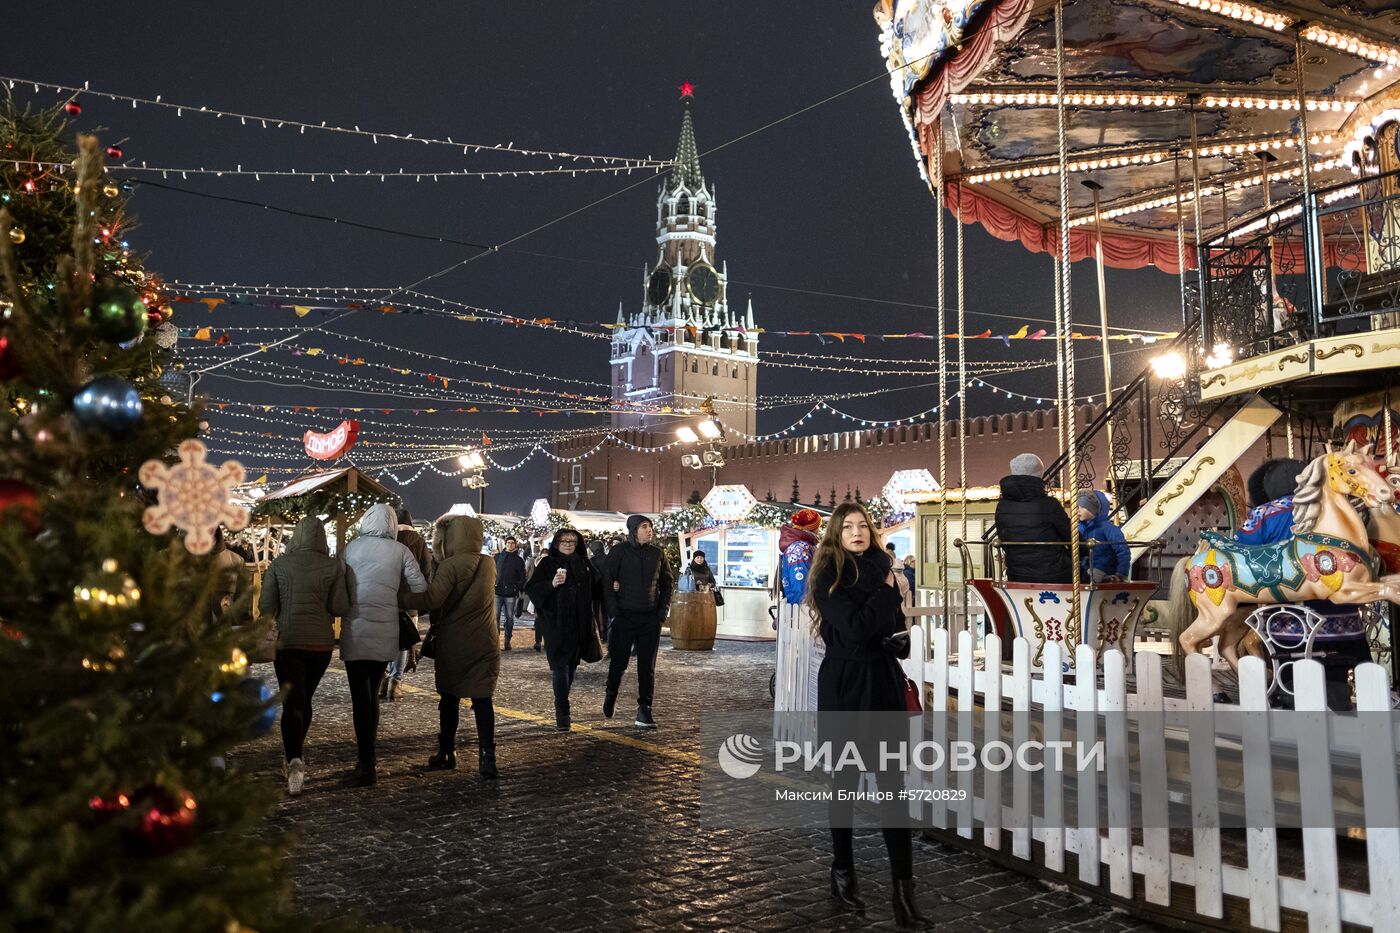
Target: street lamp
1170	365
710	430
475	464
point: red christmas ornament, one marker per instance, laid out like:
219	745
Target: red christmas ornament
73	107
114	152
9	365
18	499
166	820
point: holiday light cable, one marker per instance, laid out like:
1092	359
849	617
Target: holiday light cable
347	293
281	122
421	354
330	175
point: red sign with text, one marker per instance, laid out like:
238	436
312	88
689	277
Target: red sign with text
334	443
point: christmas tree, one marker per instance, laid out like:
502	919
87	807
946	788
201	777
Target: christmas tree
122	690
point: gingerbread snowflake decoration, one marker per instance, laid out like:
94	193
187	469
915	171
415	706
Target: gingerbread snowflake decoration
193	497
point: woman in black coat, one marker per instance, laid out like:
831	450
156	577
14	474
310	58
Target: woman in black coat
855	604
700	572
563	588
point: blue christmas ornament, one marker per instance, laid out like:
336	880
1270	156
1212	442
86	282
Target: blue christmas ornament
257	691
107	404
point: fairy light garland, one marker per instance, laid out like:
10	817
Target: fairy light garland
184	172
1088	98
302	127
1237	147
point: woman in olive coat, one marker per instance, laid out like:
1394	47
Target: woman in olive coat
467	662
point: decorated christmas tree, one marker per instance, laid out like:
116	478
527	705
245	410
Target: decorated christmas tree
124	684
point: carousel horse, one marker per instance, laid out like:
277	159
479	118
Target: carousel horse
1328	557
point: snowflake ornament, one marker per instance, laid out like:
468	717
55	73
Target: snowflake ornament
193	497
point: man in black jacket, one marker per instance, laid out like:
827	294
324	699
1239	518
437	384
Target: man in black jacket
636	597
1026	512
510	580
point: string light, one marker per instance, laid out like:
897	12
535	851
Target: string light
1236	147
1352	44
1004	96
1241	12
345	174
302	127
1237	183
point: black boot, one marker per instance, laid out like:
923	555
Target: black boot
906	908
487	763
364	772
444	760
562	720
843	888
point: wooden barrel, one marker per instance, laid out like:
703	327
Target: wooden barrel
693	622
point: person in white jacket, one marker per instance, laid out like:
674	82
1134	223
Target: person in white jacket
377	566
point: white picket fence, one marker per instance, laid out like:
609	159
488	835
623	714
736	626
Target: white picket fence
1221	743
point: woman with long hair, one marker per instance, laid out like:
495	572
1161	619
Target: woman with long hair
563	588
854	603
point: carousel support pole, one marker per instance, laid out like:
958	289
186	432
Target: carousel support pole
1060	330
1387	435
1196	213
1094	187
962	396
941	247
1071	413
1180	237
1265	158
1312	232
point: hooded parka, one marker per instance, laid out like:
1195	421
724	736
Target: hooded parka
462	602
376	567
305	589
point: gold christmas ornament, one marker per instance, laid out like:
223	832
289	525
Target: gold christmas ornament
17	235
111	589
110	190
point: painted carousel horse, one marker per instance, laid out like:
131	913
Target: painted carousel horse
1328	557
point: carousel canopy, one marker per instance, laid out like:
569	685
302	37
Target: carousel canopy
1162	96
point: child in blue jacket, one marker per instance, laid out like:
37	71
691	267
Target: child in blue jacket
1109	561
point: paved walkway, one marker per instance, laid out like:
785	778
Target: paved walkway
597	829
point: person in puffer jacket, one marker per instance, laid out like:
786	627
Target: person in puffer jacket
303	590
377	566
1110	560
797	541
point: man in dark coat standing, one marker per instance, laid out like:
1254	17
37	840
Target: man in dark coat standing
637	588
1026	512
510	580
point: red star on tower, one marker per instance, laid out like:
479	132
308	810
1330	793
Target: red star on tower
687	89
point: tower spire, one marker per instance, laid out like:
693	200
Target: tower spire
687	168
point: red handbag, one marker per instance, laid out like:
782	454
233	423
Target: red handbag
912	700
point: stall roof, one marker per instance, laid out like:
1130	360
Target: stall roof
585	520
321	480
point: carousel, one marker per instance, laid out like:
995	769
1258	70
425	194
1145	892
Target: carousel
1251	153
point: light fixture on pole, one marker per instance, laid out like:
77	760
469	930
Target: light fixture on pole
708	429
475	464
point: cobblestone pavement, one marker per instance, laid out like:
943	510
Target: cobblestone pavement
595	829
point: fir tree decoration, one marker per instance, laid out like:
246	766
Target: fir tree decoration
796	493
113	813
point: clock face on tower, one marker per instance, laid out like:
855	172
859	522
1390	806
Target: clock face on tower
659	286
703	282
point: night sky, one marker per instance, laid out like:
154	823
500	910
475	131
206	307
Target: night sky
823	218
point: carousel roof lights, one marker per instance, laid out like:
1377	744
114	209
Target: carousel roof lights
1352	44
1215	101
1242	12
1145	157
